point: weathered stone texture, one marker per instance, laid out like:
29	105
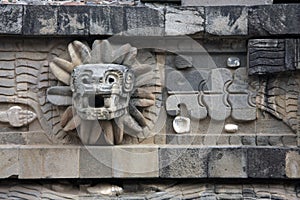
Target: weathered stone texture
9	161
292	164
230	20
40	20
266	163
51	162
268	56
224	2
73	20
126	21
11	19
183	162
95	162
184	21
135	161
225	163
274	20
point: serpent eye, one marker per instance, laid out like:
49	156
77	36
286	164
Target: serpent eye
111	79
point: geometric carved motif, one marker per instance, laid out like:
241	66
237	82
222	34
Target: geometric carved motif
220	95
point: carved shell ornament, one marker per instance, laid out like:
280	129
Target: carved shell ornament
107	91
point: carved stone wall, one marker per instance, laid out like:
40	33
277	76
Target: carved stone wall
194	95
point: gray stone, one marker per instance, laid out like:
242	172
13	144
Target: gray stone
266	162
262	141
184	80
249	140
235	140
263	21
9	165
73	20
213	97
224	2
275	140
227	20
183	62
292	164
135	161
227	163
50	162
175	104
183	162
95	162
184	21
268	56
40	20
289	140
11	19
185	139
110	20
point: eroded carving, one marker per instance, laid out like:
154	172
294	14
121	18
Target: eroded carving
114	90
220	94
17	117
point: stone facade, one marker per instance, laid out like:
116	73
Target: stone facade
150	92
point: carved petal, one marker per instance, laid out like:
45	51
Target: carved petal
90	131
131	126
73	123
137	115
60	74
60	95
67	116
107	131
75	57
140	69
118	128
143	93
142	102
102	52
64	64
84	51
120	53
130	57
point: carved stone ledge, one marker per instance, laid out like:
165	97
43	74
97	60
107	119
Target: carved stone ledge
142	161
150	20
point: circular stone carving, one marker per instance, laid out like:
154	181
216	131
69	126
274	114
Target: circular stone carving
106	91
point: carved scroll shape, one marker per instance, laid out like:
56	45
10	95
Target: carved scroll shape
215	97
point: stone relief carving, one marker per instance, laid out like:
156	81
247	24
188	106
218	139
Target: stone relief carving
278	93
17	117
108	91
220	94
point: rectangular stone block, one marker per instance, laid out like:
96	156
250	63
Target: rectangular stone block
227	20
266	162
40	20
9	161
73	20
48	162
183	162
268	56
224	2
227	163
184	21
11	19
141	21
135	161
95	162
263	21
